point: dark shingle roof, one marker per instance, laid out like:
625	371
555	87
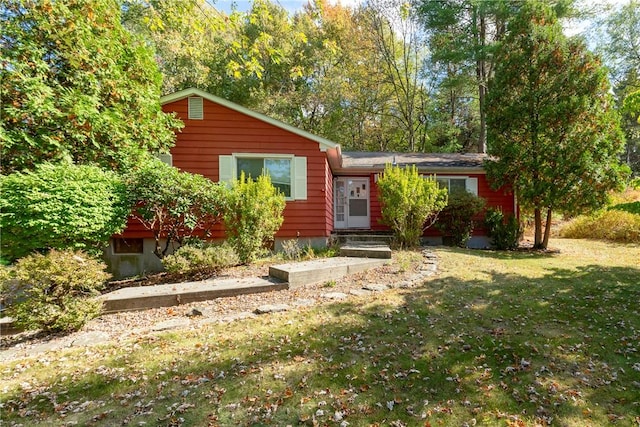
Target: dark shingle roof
423	161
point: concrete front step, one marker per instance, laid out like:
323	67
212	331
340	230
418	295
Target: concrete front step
143	297
322	270
379	239
366	250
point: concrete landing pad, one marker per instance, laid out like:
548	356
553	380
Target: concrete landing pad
322	270
143	297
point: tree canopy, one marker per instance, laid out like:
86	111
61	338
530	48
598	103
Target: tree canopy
75	84
555	134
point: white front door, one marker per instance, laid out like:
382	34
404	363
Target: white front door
351	196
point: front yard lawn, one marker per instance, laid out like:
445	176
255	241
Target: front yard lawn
512	339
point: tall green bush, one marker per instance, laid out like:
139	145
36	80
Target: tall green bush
253	215
173	204
456	219
60	206
409	201
56	291
504	232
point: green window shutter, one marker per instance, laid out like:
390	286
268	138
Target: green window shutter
472	185
300	181
226	169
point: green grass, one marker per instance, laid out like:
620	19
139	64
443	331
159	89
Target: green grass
511	338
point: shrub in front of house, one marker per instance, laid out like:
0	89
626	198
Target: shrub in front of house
456	219
253	216
409	203
173	204
200	258
57	291
504	232
60	206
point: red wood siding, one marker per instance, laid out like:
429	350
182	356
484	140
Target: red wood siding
223	132
498	198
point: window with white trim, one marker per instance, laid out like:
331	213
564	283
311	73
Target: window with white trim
288	172
455	184
278	169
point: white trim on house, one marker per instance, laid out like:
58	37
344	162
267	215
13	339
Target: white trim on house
471	183
324	144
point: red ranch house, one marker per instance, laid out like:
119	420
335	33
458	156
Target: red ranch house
326	190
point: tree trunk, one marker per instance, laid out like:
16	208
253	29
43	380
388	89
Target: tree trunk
158	248
537	243
547	230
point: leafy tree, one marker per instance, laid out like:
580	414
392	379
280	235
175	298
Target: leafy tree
410	203
253	215
619	43
463	36
555	135
173	204
75	84
60	206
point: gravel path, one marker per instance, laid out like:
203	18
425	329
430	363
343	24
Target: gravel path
126	325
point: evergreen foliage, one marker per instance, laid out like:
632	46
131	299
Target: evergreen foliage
505	232
555	135
456	219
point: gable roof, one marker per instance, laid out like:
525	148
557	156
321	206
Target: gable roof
324	143
364	161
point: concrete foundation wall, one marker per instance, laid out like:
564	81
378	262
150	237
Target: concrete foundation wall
476	242
137	264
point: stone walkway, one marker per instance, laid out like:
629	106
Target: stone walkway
196	315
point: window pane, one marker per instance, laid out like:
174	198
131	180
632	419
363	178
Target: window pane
457	185
358	207
128	246
443	183
280	172
252	168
